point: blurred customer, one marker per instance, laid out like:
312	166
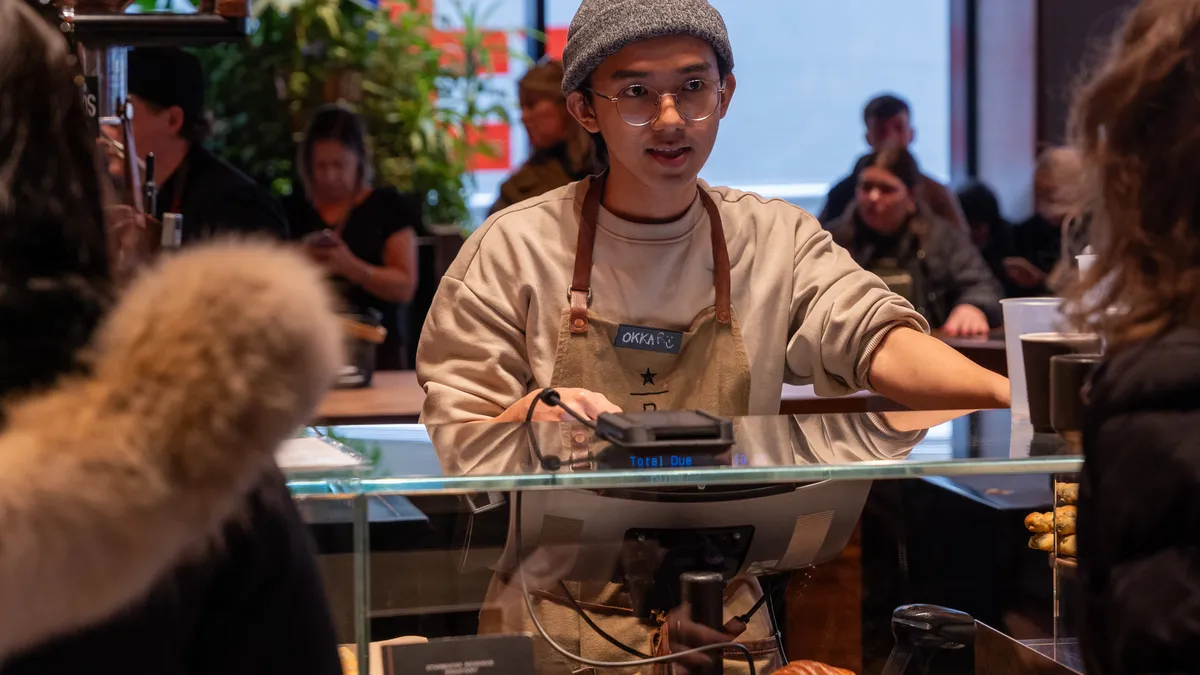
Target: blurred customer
146	528
562	150
1038	242
889	122
920	256
991	233
1136	125
364	236
167	88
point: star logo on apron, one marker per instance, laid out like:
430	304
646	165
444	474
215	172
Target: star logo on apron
704	367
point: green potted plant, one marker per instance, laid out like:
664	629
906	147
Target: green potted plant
304	53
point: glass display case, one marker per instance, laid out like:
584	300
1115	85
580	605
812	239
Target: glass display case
805	540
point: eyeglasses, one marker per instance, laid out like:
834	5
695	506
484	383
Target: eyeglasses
639	105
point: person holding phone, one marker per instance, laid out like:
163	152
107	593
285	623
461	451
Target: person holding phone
364	236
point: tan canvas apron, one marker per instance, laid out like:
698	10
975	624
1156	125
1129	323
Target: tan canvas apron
646	368
639	368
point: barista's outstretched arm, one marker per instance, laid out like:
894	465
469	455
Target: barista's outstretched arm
924	373
109	479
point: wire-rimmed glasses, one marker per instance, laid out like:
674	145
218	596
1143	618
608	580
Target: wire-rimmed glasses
640	104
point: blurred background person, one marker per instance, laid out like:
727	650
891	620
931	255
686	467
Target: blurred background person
1038	241
146	526
1136	125
990	231
364	236
927	260
888	120
167	89
562	150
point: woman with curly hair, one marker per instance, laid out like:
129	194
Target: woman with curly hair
1137	126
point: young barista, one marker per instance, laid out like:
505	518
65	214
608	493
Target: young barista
647	289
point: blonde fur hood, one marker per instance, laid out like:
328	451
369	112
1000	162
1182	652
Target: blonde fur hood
206	364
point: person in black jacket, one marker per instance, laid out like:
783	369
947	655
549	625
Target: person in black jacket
146	528
167	89
1139	506
932	263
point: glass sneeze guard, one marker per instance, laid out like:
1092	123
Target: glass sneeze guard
471	458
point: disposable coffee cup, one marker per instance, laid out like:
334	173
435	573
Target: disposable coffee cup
1069	375
1086	261
1037	349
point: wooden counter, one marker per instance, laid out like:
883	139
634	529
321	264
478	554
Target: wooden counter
988	352
396	398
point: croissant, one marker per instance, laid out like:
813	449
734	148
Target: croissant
1066	493
1066	547
1039	522
1042	542
1064	519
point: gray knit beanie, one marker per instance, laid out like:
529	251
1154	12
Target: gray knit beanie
602	28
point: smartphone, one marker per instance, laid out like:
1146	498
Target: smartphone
322	239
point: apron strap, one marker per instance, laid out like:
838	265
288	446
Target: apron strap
721	265
581	281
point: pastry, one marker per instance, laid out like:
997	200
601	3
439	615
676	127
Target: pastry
811	668
1042	542
349	660
1061	519
1066	493
1064	519
1039	522
1066	546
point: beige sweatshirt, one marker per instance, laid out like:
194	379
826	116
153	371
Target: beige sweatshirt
808	313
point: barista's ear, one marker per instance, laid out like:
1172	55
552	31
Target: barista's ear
583	112
727	98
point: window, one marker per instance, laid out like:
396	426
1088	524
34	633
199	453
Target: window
805	70
506	20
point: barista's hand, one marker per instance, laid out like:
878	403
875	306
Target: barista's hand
966	321
685	634
587	403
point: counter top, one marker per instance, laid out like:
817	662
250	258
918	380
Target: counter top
394	397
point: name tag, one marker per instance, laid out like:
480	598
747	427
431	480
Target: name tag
649	339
